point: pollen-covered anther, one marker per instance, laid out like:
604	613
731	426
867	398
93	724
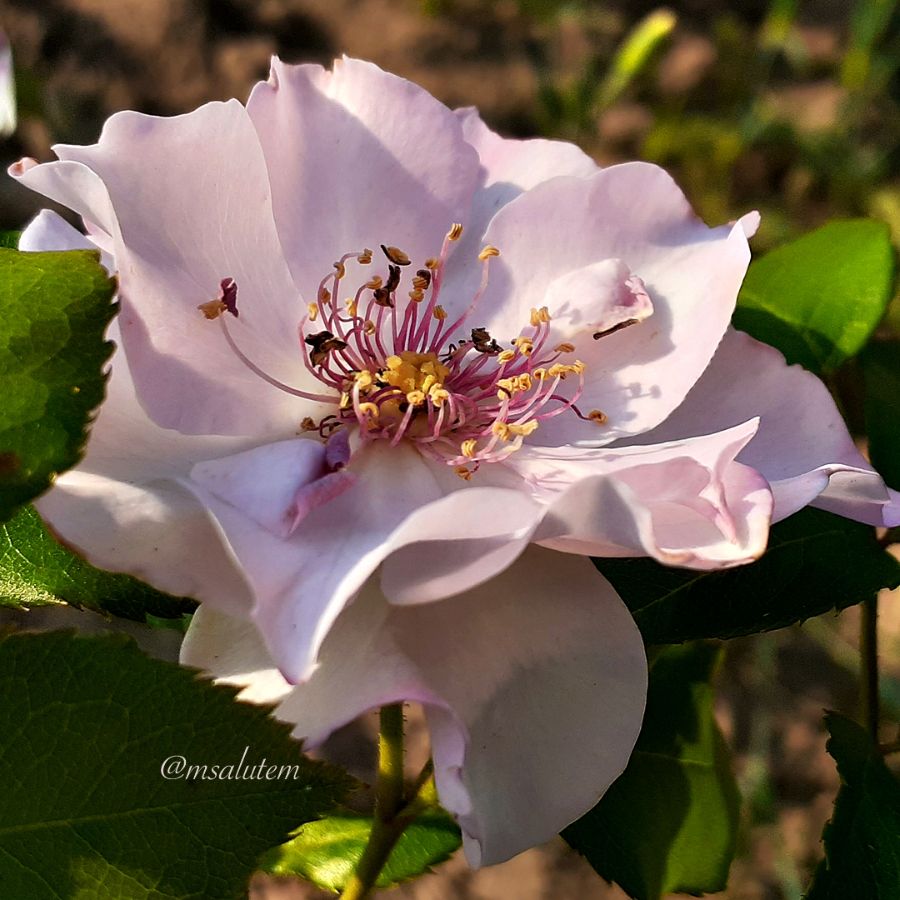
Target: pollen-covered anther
506	356
438	395
324	295
417	295
396	255
598	416
455	232
313	311
501	430
374	283
439	313
352	307
525	428
565	347
464	472
487	252
468	448
416	398
525	345
432	263
370	410
212	309
341	269
309	424
540	316
369	327
365	257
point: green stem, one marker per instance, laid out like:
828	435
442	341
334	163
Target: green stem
391	812
869	652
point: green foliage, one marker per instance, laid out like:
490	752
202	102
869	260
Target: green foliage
669	824
35	570
87	724
819	298
881	371
816	562
54	308
862	840
326	852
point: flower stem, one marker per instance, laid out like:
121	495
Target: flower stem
392	813
869	652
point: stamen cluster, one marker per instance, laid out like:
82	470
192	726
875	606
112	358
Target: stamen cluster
390	367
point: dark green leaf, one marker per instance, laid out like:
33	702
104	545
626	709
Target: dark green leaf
669	824
10	239
862	840
36	571
326	852
54	308
817	299
816	562
881	370
87	723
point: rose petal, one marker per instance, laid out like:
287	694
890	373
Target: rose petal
685	503
116	507
634	213
802	447
174	194
357	158
490	667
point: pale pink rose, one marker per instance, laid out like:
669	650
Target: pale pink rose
366	492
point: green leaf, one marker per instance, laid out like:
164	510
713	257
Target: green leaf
669	824
54	308
862	840
326	852
881	371
10	239
816	562
37	571
818	299
87	724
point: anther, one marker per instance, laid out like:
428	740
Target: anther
308	424
439	313
396	255
565	347
365	257
340	269
598	416
488	252
323	343
467	448
313	310
455	232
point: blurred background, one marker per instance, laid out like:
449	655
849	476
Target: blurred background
791	107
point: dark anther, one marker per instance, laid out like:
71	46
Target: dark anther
395	255
382	297
483	342
323	343
615	328
228	287
425	275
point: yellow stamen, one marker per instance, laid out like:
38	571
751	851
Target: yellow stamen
565	347
352	307
598	416
501	429
439	313
313	310
432	263
506	356
455	232
365	257
324	295
369	409
417	296
340	269
374	283
464	473
525	428
415	398
488	252
369	326
467	448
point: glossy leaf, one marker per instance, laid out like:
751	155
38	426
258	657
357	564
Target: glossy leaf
35	570
862	840
669	823
816	562
54	309
87	724
818	299
326	852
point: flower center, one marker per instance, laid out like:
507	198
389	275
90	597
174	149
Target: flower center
390	368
